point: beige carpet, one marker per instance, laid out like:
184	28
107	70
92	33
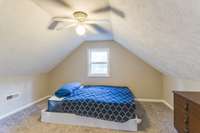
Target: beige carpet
157	118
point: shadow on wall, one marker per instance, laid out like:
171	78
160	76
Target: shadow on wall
140	111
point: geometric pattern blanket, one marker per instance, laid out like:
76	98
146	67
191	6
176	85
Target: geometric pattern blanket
110	103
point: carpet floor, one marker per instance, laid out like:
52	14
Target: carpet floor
157	118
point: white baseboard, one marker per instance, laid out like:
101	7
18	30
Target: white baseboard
41	99
168	105
155	101
149	100
23	107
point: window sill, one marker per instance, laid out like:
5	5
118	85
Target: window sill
98	76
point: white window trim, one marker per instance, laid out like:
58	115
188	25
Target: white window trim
89	63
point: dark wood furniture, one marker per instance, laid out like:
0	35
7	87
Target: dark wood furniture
187	112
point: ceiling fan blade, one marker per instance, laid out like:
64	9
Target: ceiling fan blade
110	8
118	12
66	26
91	29
46	5
61	3
93	21
63	19
102	9
99	28
53	25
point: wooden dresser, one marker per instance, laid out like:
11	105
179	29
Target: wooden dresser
187	112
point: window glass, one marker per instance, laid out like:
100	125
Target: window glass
98	62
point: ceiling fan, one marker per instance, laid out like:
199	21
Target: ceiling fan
79	21
66	5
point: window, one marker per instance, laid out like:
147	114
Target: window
98	65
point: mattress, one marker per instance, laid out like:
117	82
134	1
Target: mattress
102	102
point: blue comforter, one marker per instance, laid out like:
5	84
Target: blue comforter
102	102
106	94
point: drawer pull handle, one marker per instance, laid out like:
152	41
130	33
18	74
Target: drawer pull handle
186	121
186	130
186	107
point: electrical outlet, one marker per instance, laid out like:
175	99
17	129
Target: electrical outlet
12	96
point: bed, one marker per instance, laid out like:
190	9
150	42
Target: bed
95	106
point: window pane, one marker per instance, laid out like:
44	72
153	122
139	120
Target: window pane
99	56
99	68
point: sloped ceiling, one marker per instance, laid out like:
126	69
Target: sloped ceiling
26	44
164	33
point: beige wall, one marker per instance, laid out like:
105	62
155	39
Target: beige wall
172	83
126	69
29	88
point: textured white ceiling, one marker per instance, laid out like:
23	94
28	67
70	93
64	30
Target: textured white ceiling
164	33
26	44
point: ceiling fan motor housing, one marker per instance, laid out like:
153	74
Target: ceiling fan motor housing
80	16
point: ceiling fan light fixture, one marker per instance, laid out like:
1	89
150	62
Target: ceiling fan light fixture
80	23
80	30
80	16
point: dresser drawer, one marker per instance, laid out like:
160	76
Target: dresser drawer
181	102
194	124
179	120
187	112
194	110
194	119
181	114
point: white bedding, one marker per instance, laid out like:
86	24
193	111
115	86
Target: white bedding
55	98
